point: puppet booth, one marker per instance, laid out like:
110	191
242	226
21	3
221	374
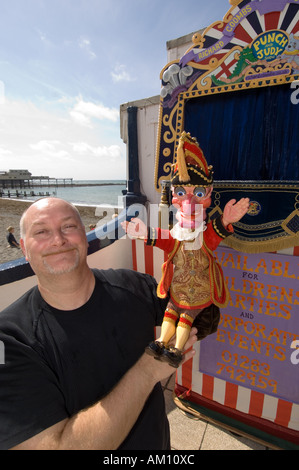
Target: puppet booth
236	90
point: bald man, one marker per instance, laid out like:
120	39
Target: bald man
75	373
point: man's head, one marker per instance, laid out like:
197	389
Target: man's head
53	237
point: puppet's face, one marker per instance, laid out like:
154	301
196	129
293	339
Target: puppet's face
192	202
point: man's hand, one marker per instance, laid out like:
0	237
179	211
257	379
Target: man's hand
160	370
233	211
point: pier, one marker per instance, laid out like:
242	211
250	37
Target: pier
35	182
22	179
23	194
48	182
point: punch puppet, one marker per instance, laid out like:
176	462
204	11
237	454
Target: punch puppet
191	277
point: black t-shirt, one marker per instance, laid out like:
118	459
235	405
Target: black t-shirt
60	362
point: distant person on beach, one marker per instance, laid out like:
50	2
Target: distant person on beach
75	373
11	238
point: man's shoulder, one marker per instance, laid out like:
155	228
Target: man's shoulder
122	277
126	279
19	309
125	285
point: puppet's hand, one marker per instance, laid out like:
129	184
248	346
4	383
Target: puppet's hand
136	228
233	211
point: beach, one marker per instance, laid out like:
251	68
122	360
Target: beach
11	211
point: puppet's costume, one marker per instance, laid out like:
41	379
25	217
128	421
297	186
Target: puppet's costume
197	279
190	276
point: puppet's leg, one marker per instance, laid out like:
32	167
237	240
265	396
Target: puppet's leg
173	354
183	331
168	328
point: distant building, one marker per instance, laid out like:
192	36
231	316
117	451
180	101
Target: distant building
15	175
25	179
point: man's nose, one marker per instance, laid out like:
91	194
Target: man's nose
58	238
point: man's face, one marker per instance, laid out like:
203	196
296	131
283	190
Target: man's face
55	240
191	202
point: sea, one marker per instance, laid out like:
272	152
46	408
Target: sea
81	192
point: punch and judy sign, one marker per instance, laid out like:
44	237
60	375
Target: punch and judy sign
268	46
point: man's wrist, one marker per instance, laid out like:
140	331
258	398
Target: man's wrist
151	370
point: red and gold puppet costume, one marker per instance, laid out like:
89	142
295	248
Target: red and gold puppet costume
191	276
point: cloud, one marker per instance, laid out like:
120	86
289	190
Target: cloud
45	145
105	152
120	74
85	45
83	112
4	152
50	148
43	37
46	141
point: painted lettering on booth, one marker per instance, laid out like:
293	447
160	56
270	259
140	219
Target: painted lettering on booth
270	44
252	345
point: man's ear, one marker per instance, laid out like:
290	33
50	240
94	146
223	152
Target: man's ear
23	247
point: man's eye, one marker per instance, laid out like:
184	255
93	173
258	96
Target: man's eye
199	192
40	233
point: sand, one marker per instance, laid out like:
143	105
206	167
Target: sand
10	214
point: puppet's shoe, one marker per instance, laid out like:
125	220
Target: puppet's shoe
155	348
173	356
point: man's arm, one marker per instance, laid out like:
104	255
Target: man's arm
106	424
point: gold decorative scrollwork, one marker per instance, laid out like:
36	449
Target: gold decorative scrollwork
169	136
217	198
167	168
198	40
213	63
205	82
167	139
166	152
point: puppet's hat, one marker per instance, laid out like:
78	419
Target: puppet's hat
191	166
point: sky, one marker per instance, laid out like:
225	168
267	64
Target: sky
66	66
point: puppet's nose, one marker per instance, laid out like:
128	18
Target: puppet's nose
189	205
